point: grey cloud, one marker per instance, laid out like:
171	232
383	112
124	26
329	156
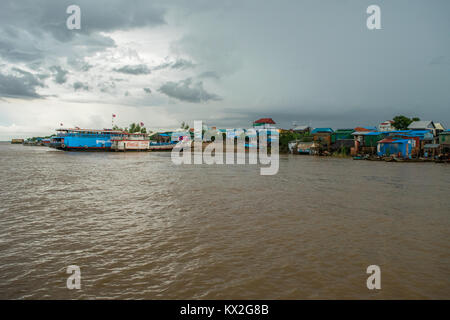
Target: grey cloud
147	90
209	74
49	16
80	86
164	65
182	64
139	69
28	29
22	86
59	74
186	90
18	48
107	86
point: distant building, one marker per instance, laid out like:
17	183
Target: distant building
386	126
422	125
398	147
366	141
344	134
17	141
324	137
439	128
264	123
302	129
444	141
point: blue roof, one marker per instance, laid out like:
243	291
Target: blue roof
317	130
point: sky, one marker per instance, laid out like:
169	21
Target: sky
224	62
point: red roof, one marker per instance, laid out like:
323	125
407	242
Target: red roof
265	120
361	129
394	139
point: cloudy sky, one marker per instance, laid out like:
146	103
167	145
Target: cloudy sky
224	62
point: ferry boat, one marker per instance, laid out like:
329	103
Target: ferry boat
91	139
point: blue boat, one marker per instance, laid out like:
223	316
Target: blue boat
86	139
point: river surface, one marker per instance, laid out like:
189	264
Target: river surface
140	227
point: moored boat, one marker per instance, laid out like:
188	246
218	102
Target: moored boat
90	139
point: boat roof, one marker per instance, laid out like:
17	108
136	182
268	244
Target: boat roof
99	131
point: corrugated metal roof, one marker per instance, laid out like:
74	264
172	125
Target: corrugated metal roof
301	127
421	124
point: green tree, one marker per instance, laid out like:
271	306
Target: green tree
285	138
184	126
401	122
134	128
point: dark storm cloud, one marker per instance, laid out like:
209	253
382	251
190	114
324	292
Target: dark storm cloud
97	16
16	46
182	64
186	90
29	28
21	86
59	74
139	69
80	86
147	90
209	74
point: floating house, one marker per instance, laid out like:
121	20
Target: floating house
444	141
161	137
397	147
17	141
343	139
366	141
343	134
431	150
323	137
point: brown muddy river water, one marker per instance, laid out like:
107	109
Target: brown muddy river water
141	227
